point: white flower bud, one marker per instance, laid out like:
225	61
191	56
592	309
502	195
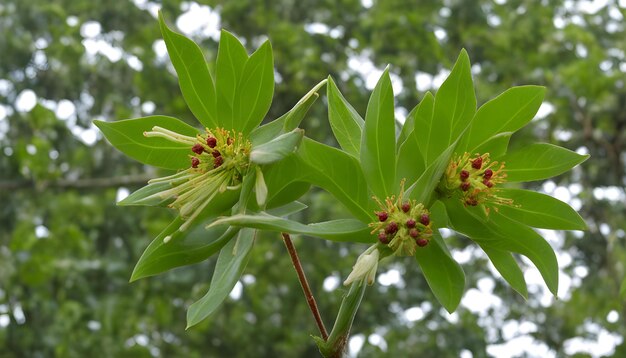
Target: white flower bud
365	268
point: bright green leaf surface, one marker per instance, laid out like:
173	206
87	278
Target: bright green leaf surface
288	209
443	274
423	123
255	90
496	146
378	144
508	112
231	59
424	188
345	121
278	148
127	136
230	264
507	266
455	105
146	196
342	230
540	161
540	210
181	249
194	78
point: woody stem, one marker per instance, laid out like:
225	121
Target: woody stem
305	285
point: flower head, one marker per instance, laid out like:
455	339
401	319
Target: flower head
365	267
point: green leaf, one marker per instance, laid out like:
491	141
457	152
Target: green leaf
255	90
499	232
288	121
423	122
455	106
278	148
287	194
194	78
410	163
423	189
378	144
508	112
146	196
345	121
231	60
341	230
443	274
540	210
328	168
507	266
181	249
288	209
230	264
127	136
540	161
496	146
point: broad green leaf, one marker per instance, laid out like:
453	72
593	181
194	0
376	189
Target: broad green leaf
423	123
410	163
278	148
147	196
508	112
423	189
328	168
287	194
345	121
443	274
127	136
231	59
496	146
501	233
407	126
540	210
181	249
507	266
230	264
288	121
194	78
378	144
455	106
342	230
255	90
288	209
540	161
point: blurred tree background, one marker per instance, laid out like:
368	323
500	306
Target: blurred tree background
66	250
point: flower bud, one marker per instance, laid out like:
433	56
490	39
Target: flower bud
465	186
382	216
414	233
217	162
392	228
421	242
195	162
211	142
488	174
382	237
410	223
425	219
464	175
229	141
406	206
471	201
488	183
477	163
216	153
364	269
197	148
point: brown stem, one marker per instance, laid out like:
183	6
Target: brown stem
305	285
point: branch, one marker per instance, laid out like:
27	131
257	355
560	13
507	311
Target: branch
305	285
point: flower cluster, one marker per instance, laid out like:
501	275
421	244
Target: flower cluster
219	161
475	179
402	225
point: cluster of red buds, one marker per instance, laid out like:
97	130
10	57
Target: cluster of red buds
402	225
475	179
217	146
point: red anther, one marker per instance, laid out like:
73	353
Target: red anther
229	141
414	233
487	183
382	216
392	228
195	162
382	237
425	219
410	223
465	186
211	142
216	153
406	207
471	201
488	174
217	161
197	148
464	175
421	242
477	163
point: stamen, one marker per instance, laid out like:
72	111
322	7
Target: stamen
170	135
